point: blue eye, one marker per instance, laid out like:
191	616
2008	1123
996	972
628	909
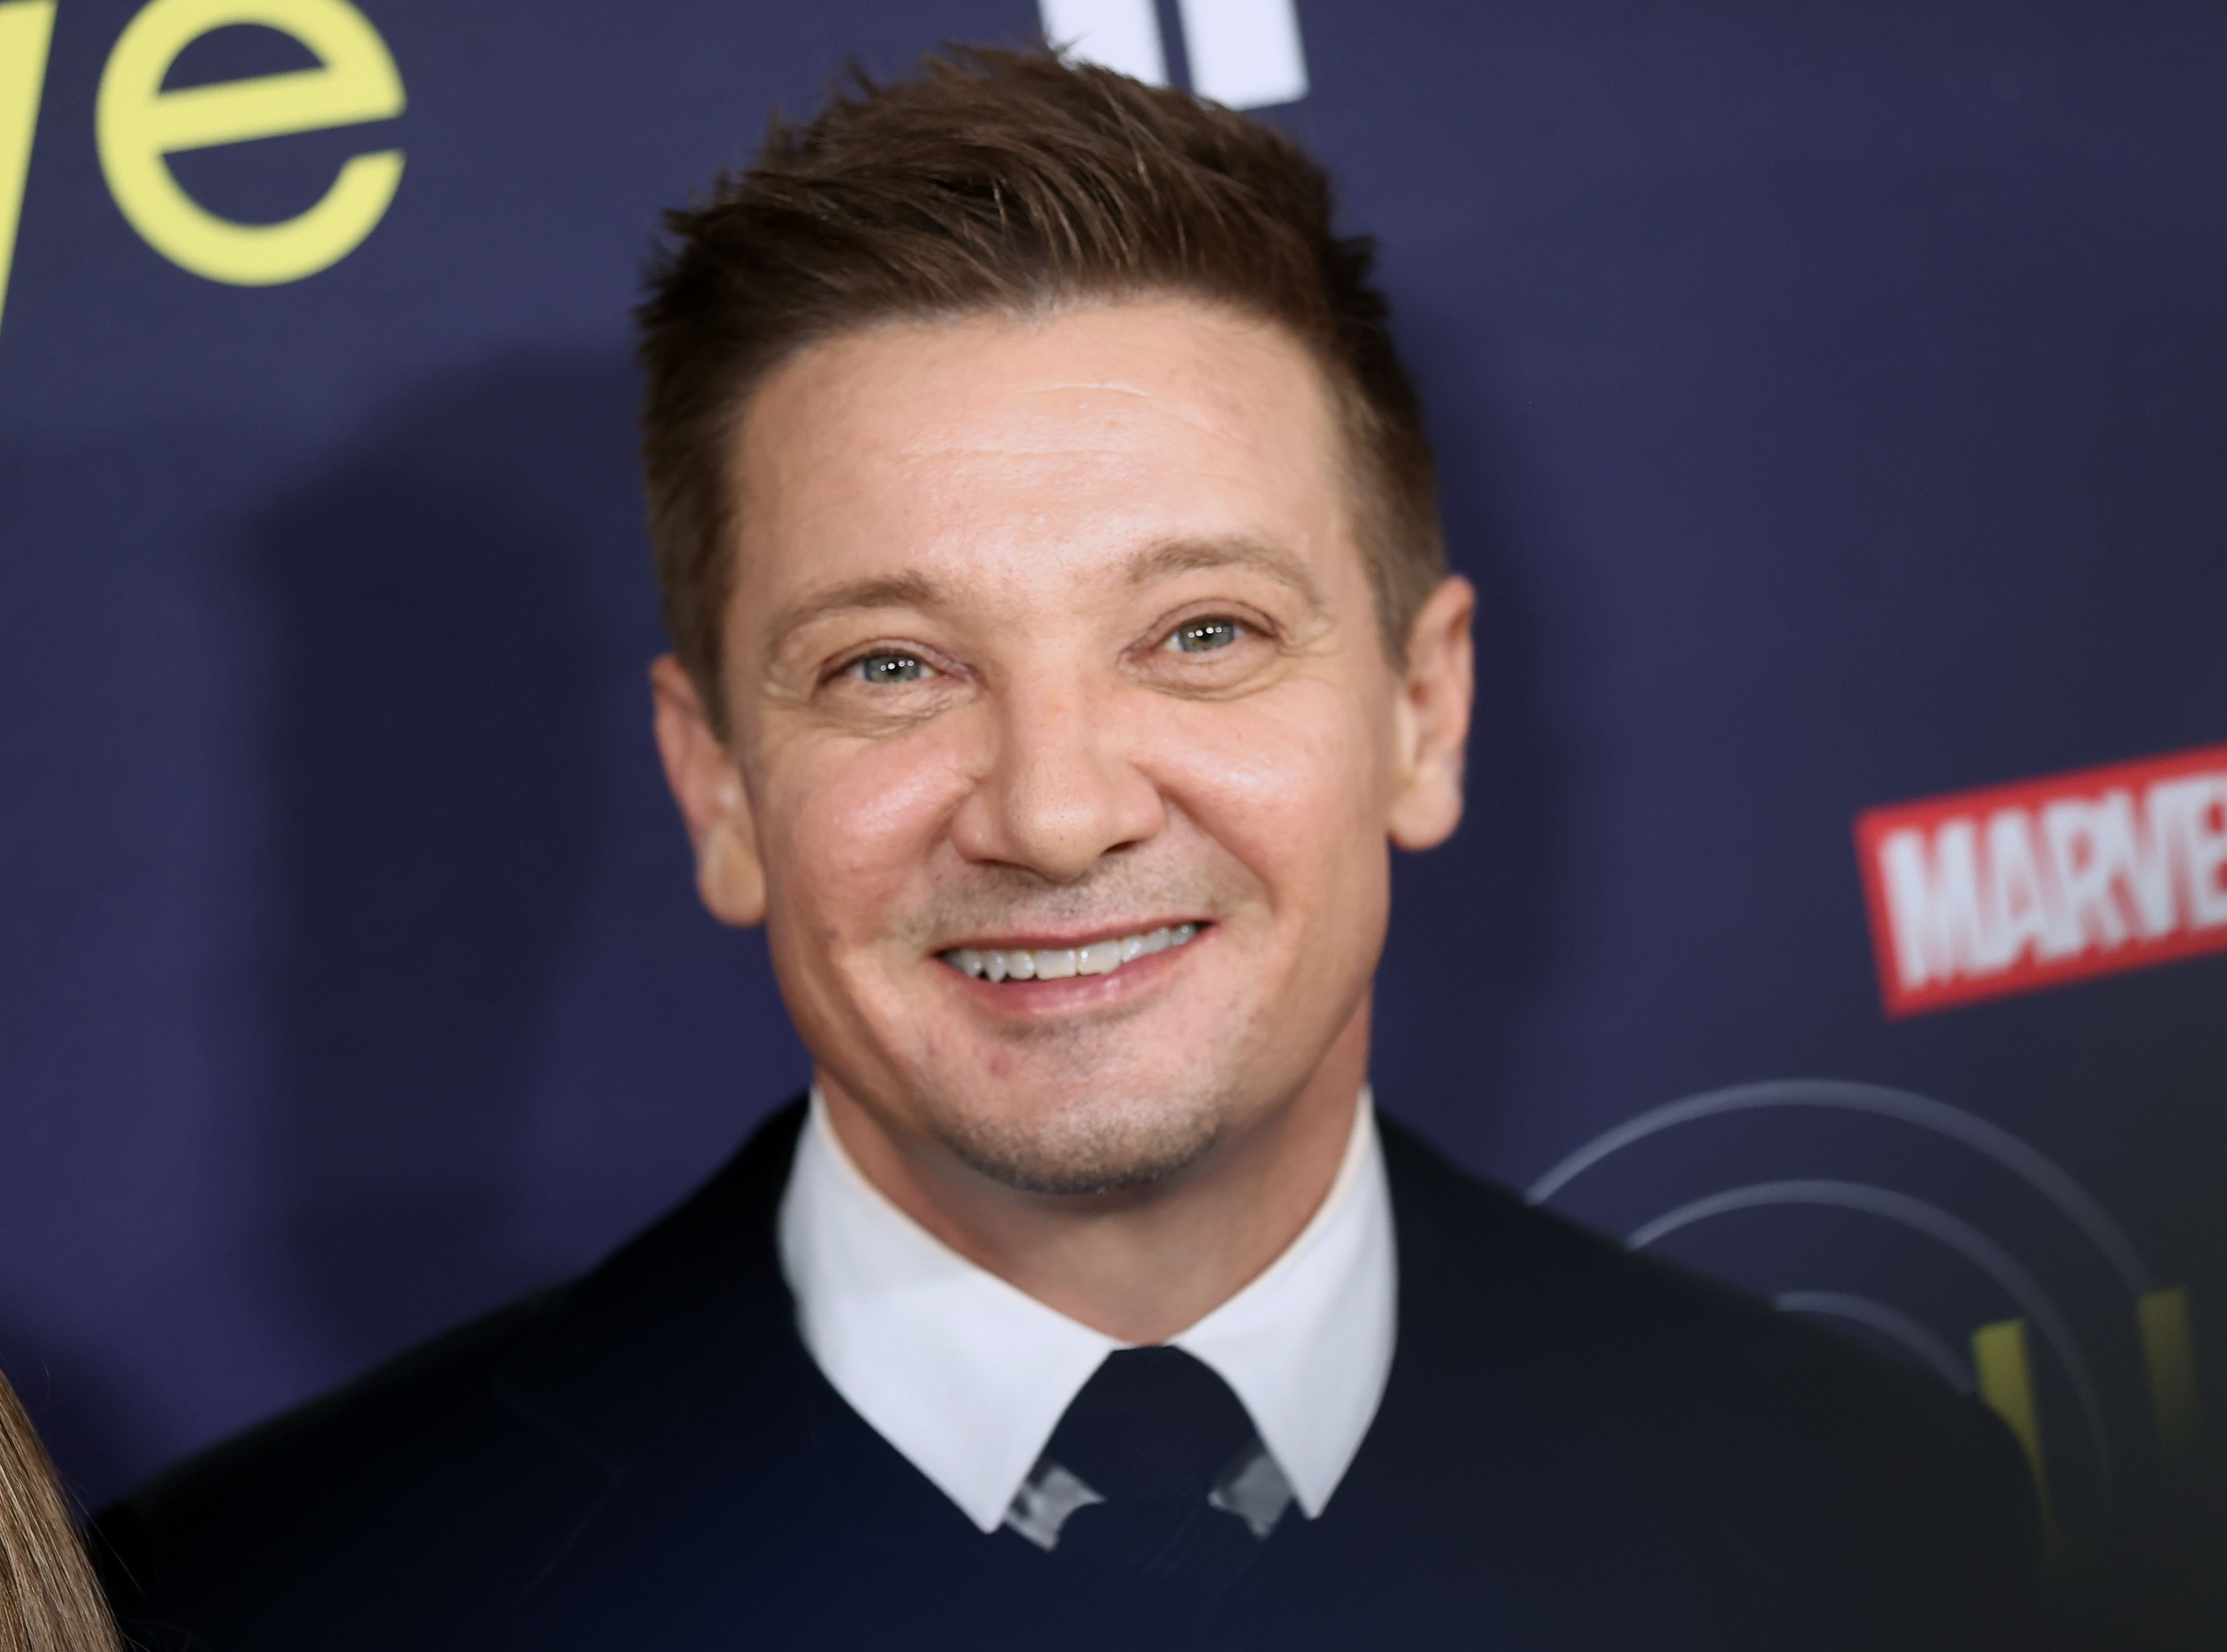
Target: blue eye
891	668
1204	636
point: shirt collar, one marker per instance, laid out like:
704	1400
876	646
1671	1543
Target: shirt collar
967	1377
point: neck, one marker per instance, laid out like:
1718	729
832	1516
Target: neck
1144	1264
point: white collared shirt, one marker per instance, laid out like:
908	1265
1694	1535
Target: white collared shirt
967	1377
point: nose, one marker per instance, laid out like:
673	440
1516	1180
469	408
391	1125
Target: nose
1062	789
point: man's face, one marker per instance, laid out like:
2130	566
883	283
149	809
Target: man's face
1052	658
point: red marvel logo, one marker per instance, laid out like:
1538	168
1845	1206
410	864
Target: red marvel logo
2019	887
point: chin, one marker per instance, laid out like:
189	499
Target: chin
1092	1146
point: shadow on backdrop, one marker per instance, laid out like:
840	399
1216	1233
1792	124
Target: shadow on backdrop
441	814
1491	898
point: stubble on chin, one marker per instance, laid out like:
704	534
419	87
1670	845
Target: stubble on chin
1086	1145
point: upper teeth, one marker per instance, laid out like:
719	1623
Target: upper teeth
1056	963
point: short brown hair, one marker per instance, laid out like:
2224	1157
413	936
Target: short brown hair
1006	181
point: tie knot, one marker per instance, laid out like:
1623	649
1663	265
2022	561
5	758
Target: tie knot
1154	1479
1153	1422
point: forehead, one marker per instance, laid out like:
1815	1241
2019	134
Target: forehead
1022	452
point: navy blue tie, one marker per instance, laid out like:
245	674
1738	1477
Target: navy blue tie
1155	1489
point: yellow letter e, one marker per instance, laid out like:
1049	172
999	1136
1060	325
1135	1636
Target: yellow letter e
138	123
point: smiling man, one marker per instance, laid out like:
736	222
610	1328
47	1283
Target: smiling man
1058	745
1063	643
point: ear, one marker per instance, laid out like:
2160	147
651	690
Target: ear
714	804
1430	718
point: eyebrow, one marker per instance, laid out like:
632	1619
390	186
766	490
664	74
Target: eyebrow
852	597
1175	556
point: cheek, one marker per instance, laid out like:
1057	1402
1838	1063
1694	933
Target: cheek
848	829
1293	783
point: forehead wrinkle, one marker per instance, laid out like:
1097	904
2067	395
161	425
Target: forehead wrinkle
1107	384
1206	423
1080	431
1015	449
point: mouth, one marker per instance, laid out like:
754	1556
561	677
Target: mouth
1058	963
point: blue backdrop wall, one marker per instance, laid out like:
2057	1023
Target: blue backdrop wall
1831	399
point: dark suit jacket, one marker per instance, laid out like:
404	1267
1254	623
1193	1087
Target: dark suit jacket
1578	1448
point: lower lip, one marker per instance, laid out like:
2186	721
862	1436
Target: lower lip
1037	998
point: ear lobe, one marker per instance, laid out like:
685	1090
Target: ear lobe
714	804
730	877
1431	719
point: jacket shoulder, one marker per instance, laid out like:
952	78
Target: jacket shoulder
282	1525
1683	1393
1490	1252
466	1464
